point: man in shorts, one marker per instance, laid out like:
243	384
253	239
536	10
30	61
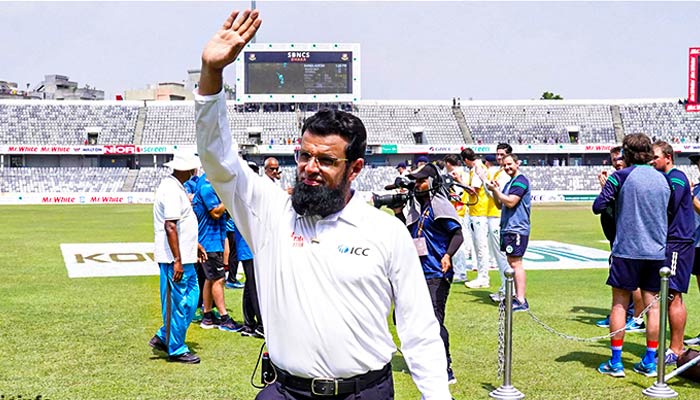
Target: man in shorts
640	195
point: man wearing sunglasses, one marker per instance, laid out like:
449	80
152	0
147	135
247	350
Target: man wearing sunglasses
330	265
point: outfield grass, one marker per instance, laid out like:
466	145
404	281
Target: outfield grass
87	338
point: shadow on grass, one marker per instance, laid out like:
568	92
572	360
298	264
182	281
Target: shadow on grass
488	386
398	364
598	314
478	295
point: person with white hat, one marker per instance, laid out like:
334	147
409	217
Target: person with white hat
176	252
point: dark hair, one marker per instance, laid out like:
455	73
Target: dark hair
334	122
666	148
636	149
504	146
468	154
452	159
616	149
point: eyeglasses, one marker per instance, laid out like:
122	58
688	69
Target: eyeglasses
272	168
325	162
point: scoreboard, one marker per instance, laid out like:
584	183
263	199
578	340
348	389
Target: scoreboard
298	73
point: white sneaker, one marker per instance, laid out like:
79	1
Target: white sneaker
459	279
477	284
692	341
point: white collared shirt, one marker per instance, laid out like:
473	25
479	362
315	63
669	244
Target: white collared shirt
171	203
326	286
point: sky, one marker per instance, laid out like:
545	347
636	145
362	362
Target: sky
409	50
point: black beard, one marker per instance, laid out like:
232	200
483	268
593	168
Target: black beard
319	200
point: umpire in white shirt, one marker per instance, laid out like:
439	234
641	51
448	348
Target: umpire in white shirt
330	265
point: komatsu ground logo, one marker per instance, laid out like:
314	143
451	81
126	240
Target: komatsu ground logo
358	251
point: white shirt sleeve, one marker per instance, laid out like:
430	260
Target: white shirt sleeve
253	201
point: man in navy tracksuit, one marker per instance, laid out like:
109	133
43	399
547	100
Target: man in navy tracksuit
640	195
680	249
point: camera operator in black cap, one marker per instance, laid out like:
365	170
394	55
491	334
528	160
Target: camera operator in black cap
437	233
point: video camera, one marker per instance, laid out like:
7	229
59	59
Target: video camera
397	200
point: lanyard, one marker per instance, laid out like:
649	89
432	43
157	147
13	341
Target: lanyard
421	221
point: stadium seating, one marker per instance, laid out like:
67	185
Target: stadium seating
666	121
37	122
173	123
62	179
393	123
539	122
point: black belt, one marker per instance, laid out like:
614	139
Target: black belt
331	386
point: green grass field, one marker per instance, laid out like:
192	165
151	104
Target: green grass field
87	338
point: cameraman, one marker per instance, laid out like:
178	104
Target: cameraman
437	234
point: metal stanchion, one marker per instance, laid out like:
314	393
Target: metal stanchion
507	391
660	390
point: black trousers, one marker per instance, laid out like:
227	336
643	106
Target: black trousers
383	389
200	281
251	306
439	290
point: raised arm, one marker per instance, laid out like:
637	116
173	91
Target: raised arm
224	47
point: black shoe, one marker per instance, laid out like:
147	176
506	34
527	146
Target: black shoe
210	321
229	325
185	358
157	344
260	332
247	330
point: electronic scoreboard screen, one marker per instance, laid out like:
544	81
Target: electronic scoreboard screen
314	72
298	72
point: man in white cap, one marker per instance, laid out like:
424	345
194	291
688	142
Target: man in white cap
176	252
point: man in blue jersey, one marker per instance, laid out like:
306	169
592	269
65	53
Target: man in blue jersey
640	195
514	201
695	160
212	233
437	233
680	250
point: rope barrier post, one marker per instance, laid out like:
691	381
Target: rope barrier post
507	391
660	390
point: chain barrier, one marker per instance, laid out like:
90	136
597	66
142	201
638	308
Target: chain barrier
501	337
501	331
591	339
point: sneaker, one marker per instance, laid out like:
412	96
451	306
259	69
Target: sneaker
634	326
497	297
210	322
157	344
648	370
477	284
198	315
692	341
185	358
248	331
671	358
459	279
451	380
260	332
234	285
229	325
616	370
603	323
518	306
